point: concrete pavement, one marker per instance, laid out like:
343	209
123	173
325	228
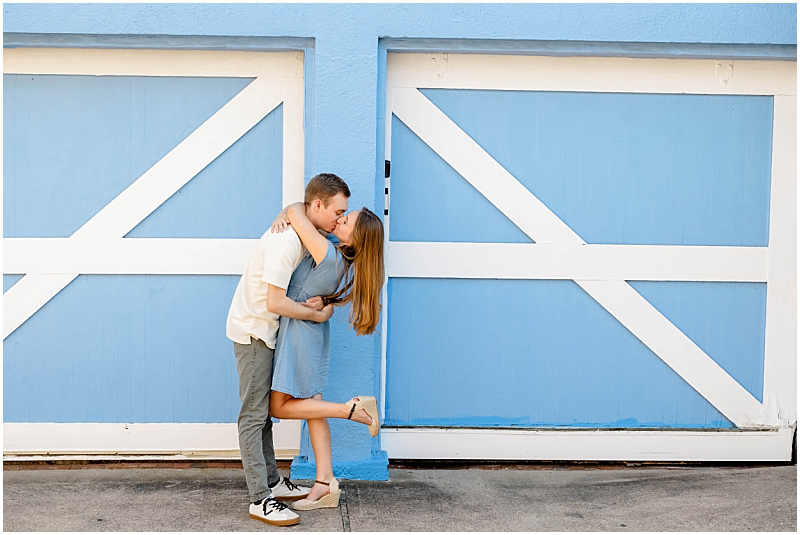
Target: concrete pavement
506	499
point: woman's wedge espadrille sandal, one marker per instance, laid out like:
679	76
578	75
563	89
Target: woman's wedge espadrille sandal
370	405
329	500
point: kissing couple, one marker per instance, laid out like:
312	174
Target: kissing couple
279	324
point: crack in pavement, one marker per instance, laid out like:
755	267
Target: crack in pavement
345	512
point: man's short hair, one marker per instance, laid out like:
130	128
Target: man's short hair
324	186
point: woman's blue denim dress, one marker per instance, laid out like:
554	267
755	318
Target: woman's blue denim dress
302	352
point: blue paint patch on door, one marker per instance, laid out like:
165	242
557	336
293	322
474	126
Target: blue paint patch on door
529	353
628	168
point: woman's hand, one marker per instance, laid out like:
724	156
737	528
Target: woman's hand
281	222
314	302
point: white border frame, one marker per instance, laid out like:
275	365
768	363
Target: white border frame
208	440
768	445
560	253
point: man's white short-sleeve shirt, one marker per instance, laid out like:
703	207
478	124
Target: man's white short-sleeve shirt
272	261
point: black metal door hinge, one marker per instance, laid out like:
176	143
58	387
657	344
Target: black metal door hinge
386	174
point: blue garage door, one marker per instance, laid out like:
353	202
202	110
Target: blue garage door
134	347
616	168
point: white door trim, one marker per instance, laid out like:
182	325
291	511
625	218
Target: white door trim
592	74
138	62
126	256
764	445
577	261
215	440
780	363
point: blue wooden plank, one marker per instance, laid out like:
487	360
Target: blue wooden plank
616	167
543	353
83	375
135	312
210	367
753	154
24	366
182	326
159	364
78	141
115	356
10	120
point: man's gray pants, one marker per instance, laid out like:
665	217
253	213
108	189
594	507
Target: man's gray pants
254	364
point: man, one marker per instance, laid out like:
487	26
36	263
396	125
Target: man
252	325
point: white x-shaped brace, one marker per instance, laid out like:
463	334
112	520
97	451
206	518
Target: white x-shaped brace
526	211
108	227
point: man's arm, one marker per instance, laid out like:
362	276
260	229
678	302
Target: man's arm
278	303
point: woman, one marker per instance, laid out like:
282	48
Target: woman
302	350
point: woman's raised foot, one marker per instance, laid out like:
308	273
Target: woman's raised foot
364	409
361	416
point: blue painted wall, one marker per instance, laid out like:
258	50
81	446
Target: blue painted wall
344	77
646	23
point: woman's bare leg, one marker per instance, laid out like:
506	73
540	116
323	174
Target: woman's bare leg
315	412
284	406
320	434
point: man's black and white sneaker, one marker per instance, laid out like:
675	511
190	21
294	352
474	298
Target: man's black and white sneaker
273	512
287	491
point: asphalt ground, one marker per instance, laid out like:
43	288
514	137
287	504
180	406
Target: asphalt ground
695	498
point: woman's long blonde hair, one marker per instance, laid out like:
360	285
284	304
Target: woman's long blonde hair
364	273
